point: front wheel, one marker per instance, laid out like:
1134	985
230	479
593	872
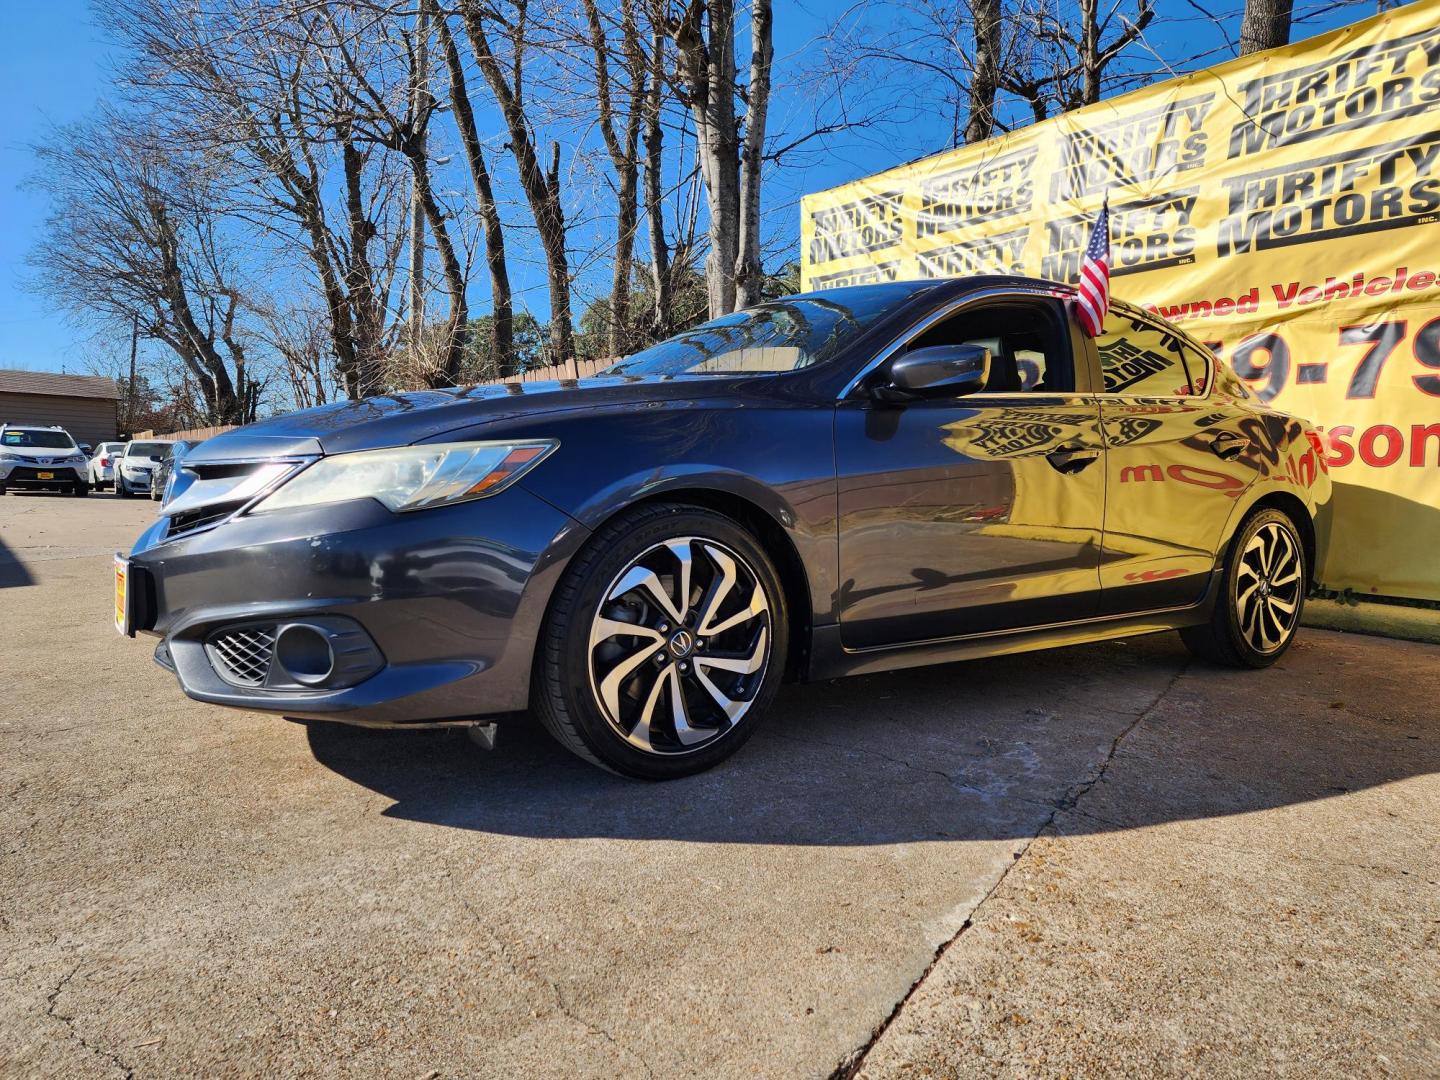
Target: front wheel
1261	598
80	489
664	645
120	491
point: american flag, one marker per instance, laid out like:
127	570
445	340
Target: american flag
1095	276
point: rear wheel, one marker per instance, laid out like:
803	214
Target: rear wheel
664	645
1262	596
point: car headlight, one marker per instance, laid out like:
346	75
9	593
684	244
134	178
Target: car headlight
411	477
10	457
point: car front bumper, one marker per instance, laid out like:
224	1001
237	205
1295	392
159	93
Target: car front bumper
436	611
24	474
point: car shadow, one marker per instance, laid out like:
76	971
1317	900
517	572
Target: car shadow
13	573
988	749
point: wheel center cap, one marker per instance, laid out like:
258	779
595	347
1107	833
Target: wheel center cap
682	643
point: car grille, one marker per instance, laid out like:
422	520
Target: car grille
61	475
201	517
210	492
242	654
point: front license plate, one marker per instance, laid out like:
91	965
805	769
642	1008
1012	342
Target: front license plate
122	595
46	475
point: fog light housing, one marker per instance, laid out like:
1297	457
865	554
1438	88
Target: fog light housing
305	654
316	653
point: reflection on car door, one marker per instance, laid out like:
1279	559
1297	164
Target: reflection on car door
975	514
1177	461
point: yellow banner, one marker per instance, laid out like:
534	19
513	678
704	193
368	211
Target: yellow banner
1284	208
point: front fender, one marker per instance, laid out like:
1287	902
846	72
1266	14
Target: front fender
778	459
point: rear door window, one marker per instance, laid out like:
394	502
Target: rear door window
1140	359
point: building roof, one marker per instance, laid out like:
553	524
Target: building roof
48	382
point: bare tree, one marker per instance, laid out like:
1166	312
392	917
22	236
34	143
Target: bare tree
133	235
300	336
951	52
247	84
540	184
749	276
704	35
1266	25
502	323
663	317
985	80
1072	50
993	65
387	101
623	145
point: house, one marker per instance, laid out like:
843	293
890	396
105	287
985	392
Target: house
87	406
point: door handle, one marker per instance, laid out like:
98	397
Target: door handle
1071	459
1228	446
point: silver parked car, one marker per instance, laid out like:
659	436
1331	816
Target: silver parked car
41	458
102	463
134	468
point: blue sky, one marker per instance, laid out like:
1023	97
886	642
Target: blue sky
55	66
52	70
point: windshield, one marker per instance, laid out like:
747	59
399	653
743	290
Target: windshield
54	440
783	335
148	449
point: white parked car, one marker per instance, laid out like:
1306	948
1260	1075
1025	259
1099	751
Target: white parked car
102	463
134	468
46	458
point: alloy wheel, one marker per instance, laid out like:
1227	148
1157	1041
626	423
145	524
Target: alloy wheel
1268	587
679	645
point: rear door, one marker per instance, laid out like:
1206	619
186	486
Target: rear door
1177	460
975	514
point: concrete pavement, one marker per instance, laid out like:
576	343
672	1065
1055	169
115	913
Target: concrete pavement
1108	859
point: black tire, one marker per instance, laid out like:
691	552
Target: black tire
80	489
120	491
1241	625
565	693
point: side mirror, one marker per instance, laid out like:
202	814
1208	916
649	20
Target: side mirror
87	449
940	371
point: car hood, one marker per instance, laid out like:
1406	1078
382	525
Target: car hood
402	419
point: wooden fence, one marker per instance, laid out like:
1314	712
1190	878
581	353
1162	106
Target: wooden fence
571	369
193	434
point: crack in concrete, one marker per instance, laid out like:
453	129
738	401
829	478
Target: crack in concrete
850	1066
52	1011
561	1005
